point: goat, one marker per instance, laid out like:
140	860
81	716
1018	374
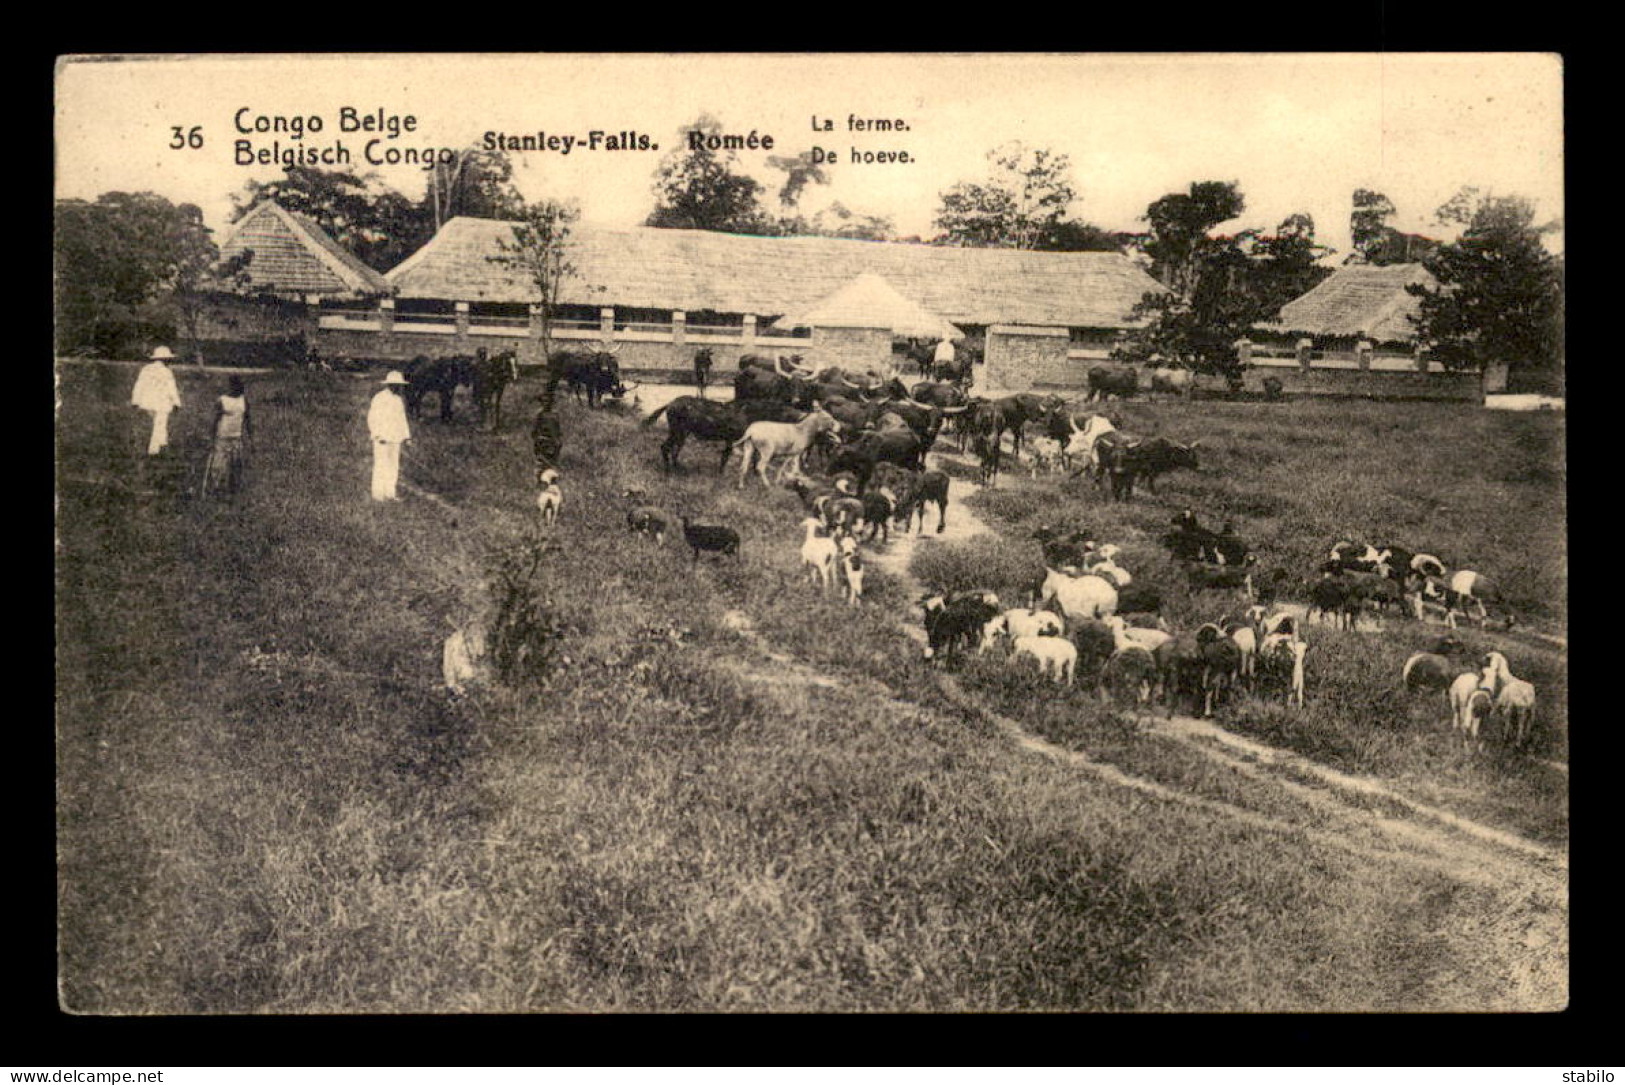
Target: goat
1133	662
818	553
548	501
879	506
1333	594
1127	634
1221	578
1246	638
954	620
1055	654
1044	455
1470	702
711	538
852	569
1514	698
644	519
1279	652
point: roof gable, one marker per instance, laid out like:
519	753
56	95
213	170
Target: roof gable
869	301
293	255
1358	300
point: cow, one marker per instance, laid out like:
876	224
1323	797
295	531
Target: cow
709	420
596	372
860	455
1175	380
1104	383
1123	462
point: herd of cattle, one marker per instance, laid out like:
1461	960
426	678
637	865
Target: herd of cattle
1089	618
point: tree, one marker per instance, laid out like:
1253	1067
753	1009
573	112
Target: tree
1216	287
539	250
696	187
1375	241
799	171
378	225
127	265
477	183
1023	201
1499	294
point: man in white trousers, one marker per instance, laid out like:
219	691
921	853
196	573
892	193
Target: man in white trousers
386	422
155	393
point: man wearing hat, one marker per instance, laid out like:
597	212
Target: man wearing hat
155	393
386	422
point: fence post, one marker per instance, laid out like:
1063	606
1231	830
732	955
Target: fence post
1421	354
679	328
606	324
386	321
461	308
1362	353
750	331
1244	351
1305	346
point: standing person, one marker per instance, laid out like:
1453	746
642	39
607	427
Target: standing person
386	422
546	439
702	369
155	393
224	470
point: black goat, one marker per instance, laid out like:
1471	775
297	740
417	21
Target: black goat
719	540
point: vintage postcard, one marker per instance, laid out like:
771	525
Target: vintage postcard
799	532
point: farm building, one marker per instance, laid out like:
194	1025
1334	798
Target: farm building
293	267
1355	303
662	292
856	324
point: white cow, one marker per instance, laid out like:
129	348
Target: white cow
1080	447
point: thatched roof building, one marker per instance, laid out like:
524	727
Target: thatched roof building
697	270
1358	300
869	301
294	257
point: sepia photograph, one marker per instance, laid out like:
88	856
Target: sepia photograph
810	533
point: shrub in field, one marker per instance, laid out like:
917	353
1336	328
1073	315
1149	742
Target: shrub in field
525	633
982	562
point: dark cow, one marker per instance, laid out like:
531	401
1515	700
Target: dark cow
860	455
1125	460
781	387
913	489
596	373
1105	382
708	420
938	394
440	376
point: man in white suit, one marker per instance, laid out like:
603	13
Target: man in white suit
386	422
155	393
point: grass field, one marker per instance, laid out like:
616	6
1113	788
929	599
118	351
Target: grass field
724	793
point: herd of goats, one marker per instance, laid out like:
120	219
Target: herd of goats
869	437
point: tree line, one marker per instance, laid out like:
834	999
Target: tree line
133	268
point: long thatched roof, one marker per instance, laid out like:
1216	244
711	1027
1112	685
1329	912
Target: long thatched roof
693	270
869	301
1358	300
293	255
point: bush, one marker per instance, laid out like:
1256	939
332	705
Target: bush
525	635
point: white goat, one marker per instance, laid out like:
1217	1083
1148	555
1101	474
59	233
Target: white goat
819	553
1044	454
1126	634
1514	698
1055	654
1470	702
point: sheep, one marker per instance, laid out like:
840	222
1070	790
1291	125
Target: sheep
1333	594
548	501
1053	654
711	538
852	569
1021	622
1514	699
1246	638
819	553
1112	571
1470	591
1151	639
1222	662
1044	454
642	519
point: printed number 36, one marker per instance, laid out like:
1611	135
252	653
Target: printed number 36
192	138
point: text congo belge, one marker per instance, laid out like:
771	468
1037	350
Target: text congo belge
379	150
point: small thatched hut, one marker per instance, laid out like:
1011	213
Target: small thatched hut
1357	302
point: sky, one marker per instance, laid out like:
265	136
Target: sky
1299	132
